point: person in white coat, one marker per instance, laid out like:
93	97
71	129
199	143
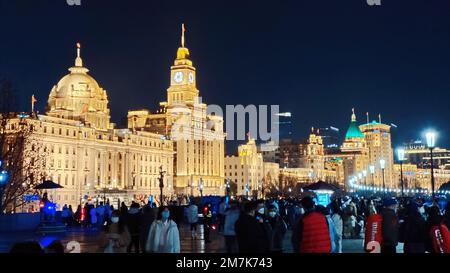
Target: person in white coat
163	236
336	216
192	217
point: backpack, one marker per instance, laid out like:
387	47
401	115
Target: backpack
440	237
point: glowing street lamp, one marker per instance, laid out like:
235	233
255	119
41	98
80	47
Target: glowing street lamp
431	144
401	158
382	166
364	172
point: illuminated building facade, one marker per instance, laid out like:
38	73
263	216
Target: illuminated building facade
87	155
246	169
198	137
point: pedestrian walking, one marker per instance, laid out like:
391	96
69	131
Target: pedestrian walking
163	236
192	217
438	239
277	230
390	226
412	230
222	208
123	209
250	234
115	237
133	222
373	232
207	222
229	232
336	217
311	234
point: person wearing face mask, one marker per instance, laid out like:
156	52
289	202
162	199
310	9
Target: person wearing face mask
115	237
163	236
260	211
277	229
389	226
250	233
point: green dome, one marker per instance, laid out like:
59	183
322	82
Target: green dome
353	131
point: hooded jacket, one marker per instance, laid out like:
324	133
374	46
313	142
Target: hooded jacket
172	244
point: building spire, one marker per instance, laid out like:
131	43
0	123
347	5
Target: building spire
78	60
183	30
379	118
353	115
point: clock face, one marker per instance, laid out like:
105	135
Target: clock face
191	77
178	77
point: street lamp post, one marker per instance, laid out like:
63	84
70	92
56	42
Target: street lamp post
431	142
228	187
364	172
372	172
200	187
246	189
161	185
382	166
401	157
263	188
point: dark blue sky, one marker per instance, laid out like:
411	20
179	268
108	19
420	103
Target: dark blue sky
315	58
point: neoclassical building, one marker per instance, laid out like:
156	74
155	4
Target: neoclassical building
364	147
198	137
87	155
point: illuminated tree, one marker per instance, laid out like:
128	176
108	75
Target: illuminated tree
21	152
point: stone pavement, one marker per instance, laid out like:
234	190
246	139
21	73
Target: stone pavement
88	241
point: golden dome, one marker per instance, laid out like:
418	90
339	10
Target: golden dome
78	85
79	96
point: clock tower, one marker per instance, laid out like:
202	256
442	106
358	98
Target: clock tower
198	137
182	88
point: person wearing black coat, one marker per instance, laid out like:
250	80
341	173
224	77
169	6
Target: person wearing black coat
390	226
133	222
412	230
447	215
277	229
250	234
147	217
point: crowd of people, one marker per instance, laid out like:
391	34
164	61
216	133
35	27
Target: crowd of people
261	226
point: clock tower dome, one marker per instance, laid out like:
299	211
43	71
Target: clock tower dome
182	88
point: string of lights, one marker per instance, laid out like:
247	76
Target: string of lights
392	190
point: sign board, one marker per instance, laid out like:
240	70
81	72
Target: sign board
323	199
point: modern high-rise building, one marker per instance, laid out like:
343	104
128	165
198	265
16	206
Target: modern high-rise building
198	137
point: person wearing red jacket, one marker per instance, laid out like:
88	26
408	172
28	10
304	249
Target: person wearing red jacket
373	235
312	233
439	235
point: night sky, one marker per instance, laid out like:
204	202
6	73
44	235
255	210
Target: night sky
315	58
